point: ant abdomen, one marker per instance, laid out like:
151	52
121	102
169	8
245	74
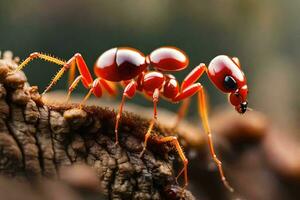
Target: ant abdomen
168	59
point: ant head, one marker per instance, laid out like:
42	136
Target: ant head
227	76
238	98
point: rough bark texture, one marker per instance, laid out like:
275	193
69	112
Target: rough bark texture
37	140
61	152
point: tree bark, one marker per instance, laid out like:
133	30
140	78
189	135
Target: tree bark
58	151
37	140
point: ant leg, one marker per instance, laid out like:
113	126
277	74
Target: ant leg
87	96
155	97
55	79
42	56
185	96
83	70
48	58
189	80
193	76
98	82
73	86
109	86
182	112
187	92
72	73
203	114
173	140
129	92
94	89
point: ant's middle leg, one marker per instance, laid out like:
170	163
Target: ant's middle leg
185	96
155	97
129	92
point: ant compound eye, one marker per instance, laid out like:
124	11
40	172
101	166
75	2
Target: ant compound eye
230	83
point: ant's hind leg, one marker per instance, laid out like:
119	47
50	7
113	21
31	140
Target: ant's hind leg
77	58
95	89
129	92
42	56
48	58
96	86
110	87
72	72
83	70
73	85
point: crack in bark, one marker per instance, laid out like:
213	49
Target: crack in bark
19	146
31	115
45	142
23	132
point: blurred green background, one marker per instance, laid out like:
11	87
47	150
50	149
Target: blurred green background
264	34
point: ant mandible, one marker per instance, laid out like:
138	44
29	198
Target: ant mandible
132	67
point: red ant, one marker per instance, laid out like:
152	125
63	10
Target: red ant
132	67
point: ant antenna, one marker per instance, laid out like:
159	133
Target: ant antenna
250	109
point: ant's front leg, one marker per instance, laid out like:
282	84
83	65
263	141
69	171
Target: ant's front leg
188	88
203	114
189	80
188	92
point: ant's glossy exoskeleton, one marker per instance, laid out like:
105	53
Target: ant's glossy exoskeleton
145	74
